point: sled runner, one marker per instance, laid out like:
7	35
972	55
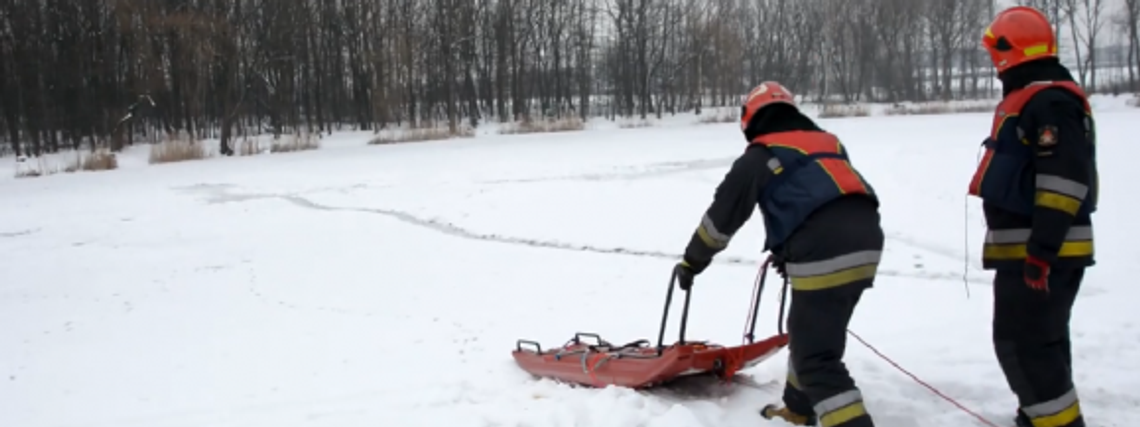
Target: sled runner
587	359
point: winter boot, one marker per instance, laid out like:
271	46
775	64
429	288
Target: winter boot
772	411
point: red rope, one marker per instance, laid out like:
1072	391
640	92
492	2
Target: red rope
980	418
734	360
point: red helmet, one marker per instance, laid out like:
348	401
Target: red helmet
767	93
1018	35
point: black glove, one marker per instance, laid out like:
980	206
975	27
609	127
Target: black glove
684	274
779	264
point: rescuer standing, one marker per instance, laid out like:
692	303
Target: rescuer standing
1038	183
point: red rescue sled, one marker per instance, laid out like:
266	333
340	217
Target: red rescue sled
640	365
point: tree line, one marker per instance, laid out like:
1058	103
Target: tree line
102	73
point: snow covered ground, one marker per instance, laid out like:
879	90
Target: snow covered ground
385	286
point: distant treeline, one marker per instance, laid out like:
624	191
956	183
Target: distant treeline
71	71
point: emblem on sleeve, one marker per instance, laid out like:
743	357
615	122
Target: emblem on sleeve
1047	137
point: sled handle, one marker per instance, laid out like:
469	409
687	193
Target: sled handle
757	291
783	303
597	338
536	345
665	314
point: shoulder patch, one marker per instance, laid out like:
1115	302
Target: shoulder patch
1047	136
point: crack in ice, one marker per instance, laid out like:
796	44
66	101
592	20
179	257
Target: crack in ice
218	194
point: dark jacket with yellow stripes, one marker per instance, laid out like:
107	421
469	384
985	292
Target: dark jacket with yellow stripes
1038	178
829	236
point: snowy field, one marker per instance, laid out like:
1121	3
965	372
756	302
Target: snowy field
385	286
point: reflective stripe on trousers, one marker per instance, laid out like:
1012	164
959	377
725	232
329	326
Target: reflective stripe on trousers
841	408
834	272
792	379
1059	412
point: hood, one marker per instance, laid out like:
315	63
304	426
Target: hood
777	118
1047	69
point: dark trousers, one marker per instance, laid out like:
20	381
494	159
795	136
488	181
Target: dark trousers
1031	340
818	384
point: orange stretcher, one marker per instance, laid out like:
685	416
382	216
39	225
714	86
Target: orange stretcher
588	360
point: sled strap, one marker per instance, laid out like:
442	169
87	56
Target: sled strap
598	359
575	348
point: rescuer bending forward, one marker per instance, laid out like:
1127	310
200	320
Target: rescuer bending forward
1038	183
823	230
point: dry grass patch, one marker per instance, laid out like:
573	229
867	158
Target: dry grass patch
420	135
930	108
249	147
297	142
178	148
976	107
719	117
567	124
828	111
638	124
99	160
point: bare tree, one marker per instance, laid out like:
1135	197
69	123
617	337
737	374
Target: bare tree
1084	25
1055	10
1130	21
69	71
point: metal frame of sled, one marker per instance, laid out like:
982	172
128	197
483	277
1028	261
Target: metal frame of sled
587	359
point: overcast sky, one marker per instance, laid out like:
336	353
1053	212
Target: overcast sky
1110	6
1109	34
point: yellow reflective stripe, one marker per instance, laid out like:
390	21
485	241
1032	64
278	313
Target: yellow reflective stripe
827	281
1036	49
840	408
712	237
832	265
708	240
842	415
792	379
1009	244
838	271
1019	251
775	165
1061	185
840	278
1021	235
1058	412
1059	202
1060	419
